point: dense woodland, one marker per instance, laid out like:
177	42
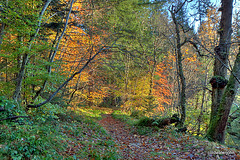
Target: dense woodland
63	63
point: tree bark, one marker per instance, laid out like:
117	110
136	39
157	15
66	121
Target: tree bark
218	124
182	91
222	98
3	28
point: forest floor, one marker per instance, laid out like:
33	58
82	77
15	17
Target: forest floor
163	144
102	134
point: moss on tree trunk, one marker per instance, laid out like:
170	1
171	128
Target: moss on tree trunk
219	118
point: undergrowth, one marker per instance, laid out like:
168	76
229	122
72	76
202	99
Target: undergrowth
52	132
134	123
124	117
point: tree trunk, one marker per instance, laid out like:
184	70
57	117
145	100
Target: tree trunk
2	32
20	77
182	89
126	78
222	99
151	84
203	100
218	124
3	25
53	53
26	56
182	92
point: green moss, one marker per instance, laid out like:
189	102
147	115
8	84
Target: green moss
146	121
212	127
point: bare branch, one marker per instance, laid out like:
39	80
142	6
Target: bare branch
219	61
196	47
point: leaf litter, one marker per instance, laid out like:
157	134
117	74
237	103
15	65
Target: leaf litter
163	144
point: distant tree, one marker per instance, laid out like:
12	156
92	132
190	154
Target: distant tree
177	15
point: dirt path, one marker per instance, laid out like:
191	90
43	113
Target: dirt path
163	146
132	146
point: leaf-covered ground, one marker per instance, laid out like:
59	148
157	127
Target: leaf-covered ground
92	133
163	144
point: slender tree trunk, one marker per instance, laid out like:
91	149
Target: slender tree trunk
126	79
203	100
76	89
151	82
152	72
150	94
26	56
54	52
3	28
20	77
180	71
222	99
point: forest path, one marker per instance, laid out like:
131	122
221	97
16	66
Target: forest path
133	146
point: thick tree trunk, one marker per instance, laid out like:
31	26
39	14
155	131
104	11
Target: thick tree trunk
218	124
182	90
222	99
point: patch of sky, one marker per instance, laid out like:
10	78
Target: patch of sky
194	21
